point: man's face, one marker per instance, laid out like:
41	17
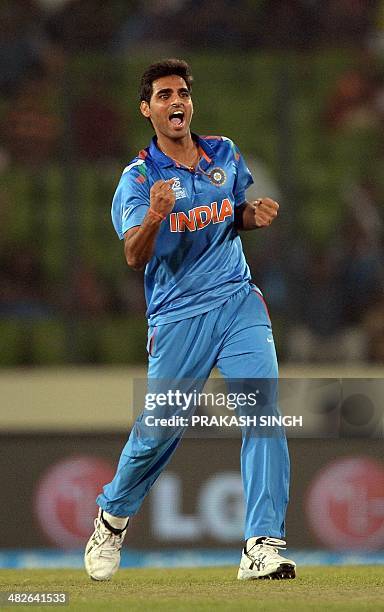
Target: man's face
170	108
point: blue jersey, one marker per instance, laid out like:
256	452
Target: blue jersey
198	260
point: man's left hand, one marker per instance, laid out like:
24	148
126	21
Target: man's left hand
265	211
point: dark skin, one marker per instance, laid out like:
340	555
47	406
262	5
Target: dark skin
175	140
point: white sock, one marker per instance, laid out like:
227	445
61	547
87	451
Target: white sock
117	522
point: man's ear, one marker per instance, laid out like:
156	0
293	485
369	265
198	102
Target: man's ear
144	108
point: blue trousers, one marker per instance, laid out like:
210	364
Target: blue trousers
237	339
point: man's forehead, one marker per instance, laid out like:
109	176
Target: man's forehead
172	81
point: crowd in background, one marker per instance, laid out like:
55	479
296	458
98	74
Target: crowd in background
37	36
328	298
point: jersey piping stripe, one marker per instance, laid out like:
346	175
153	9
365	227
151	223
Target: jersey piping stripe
132	165
203	154
263	301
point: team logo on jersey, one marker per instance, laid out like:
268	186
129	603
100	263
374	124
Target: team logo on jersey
178	189
217	176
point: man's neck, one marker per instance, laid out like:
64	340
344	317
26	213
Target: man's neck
182	150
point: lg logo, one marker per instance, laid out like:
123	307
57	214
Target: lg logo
219	509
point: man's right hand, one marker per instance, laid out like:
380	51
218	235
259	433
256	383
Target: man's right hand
162	197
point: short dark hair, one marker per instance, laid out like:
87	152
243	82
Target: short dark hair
161	69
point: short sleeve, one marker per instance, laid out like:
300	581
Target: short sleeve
243	178
131	200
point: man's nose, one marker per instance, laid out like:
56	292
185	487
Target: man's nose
176	100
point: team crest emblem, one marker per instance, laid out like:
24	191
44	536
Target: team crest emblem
218	177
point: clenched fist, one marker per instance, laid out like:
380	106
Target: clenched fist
265	211
162	197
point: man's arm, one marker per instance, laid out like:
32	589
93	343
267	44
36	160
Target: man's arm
259	213
139	242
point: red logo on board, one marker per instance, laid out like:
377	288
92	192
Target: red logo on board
345	504
65	499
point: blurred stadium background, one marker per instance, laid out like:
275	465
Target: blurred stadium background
299	85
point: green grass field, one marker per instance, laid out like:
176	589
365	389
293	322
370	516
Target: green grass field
315	588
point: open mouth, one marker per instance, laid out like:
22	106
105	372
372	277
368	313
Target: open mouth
177	118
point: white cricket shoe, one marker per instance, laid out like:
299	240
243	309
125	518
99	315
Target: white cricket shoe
102	553
261	559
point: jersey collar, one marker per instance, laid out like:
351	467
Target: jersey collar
206	153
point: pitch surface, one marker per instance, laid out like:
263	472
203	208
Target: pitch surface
315	589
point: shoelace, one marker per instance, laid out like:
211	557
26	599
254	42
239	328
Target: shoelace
112	543
268	545
109	549
275	543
